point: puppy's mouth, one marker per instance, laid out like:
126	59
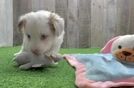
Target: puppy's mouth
36	52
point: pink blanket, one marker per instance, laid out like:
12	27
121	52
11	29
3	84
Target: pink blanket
82	82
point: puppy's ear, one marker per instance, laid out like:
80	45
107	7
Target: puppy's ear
21	23
56	24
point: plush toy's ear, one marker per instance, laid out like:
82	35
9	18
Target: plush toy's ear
37	65
56	23
107	47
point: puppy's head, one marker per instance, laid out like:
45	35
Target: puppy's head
40	30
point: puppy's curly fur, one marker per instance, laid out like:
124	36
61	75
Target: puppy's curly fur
43	32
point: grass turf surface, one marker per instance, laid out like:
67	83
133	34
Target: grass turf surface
60	76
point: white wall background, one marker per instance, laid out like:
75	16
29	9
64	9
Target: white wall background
6	23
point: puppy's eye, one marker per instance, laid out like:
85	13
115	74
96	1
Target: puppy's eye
119	47
28	36
43	37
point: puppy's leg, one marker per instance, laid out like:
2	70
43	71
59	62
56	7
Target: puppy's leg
21	50
25	66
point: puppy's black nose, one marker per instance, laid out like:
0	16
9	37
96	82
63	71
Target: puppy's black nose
126	53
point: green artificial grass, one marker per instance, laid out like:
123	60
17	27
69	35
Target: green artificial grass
59	76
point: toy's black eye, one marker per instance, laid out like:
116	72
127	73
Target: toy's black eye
119	46
28	36
43	37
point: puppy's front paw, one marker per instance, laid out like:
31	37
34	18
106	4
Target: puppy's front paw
55	63
17	53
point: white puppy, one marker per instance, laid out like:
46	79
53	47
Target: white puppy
43	32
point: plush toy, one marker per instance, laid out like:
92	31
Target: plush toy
27	60
122	47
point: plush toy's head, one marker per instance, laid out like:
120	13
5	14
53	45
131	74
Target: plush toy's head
121	47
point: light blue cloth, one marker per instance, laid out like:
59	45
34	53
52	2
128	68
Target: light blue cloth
105	67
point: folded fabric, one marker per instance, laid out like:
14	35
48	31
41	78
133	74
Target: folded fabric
101	71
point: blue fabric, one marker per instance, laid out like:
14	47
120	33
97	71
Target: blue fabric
104	67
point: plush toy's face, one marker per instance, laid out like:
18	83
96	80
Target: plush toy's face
123	48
